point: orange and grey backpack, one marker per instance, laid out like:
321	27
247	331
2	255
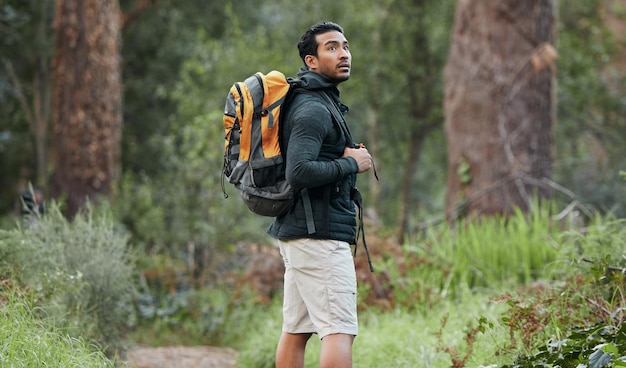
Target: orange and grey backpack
253	160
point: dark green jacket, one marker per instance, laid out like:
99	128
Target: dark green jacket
314	148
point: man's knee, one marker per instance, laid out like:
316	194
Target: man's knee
339	338
299	339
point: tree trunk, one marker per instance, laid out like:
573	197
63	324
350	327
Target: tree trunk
410	167
499	105
421	82
86	101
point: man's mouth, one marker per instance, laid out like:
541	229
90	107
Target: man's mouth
344	66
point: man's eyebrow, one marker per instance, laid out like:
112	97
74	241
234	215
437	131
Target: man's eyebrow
329	42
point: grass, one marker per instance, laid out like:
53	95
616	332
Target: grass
431	336
26	341
435	337
484	294
496	250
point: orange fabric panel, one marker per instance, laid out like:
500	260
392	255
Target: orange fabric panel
246	129
275	88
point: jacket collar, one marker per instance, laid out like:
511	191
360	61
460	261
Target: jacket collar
312	80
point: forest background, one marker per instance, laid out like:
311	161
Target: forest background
177	61
178	58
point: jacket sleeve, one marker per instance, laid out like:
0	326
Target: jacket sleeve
315	150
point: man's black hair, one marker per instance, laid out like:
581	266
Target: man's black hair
308	44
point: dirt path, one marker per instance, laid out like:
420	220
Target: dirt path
182	357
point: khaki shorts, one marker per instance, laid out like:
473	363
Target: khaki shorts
320	287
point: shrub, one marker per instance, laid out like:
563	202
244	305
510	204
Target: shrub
580	323
81	271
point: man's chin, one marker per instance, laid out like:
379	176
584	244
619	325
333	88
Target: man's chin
341	78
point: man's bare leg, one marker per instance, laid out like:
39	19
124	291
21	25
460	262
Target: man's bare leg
290	351
336	351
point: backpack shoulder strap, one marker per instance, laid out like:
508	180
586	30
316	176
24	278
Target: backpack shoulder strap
338	116
334	111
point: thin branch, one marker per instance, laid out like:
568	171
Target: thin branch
543	182
610	268
17	85
126	18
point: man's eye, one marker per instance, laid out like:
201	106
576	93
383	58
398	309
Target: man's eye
332	48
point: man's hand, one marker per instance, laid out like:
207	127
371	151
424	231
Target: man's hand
362	157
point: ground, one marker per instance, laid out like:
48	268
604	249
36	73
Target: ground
182	357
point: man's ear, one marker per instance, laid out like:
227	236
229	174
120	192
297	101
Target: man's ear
311	61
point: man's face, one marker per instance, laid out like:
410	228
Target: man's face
333	56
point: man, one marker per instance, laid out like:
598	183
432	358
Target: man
315	235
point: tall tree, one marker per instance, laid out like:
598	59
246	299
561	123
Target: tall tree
86	100
499	105
423	86
25	54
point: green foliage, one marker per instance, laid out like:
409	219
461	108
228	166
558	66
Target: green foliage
435	336
426	338
190	206
464	172
257	348
437	320
27	341
594	347
420	281
81	271
581	323
494	251
591	106
137	208
399	48
213	316
184	205
603	241
155	45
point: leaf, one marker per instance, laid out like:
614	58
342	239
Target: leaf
610	349
599	359
558	344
